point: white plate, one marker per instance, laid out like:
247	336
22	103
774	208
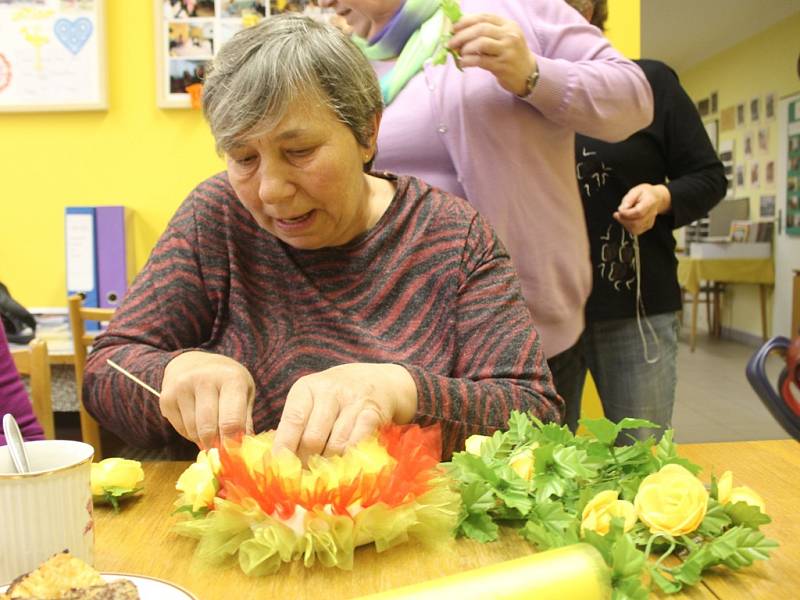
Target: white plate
149	587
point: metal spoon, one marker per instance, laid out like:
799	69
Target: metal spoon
16	447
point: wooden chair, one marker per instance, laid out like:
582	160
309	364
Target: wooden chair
81	341
33	362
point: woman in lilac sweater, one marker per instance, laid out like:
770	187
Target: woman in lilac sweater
13	398
501	132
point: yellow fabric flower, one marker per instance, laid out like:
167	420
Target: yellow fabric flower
602	508
522	463
672	501
198	483
726	493
474	442
254	447
116	473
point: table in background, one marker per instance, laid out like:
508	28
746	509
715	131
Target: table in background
138	540
693	271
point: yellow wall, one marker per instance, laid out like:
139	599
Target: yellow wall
766	63
134	154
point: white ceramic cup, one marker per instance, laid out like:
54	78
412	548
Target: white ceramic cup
47	510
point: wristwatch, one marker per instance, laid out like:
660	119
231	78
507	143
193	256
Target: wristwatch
530	82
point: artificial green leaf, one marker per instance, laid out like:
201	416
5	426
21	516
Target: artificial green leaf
603	429
668	586
541	537
452	10
741	513
548	485
627	560
515	493
472	467
629	589
477	496
715	521
629	423
480	527
572	463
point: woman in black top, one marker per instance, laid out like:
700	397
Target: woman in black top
634	194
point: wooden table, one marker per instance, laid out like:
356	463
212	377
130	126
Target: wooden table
693	271
138	540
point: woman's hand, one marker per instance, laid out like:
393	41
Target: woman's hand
328	411
496	44
207	397
641	205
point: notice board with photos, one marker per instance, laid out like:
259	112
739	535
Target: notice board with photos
52	55
190	32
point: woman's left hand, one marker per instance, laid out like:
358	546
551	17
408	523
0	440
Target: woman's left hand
641	205
496	44
328	411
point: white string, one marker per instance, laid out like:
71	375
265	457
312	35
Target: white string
640	310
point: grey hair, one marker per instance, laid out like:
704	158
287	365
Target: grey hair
256	76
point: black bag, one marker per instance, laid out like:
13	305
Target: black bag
19	324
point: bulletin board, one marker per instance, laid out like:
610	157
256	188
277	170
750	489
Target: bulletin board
52	55
189	33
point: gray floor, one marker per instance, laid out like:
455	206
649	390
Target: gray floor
714	401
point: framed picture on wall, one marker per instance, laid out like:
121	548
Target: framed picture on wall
190	32
53	55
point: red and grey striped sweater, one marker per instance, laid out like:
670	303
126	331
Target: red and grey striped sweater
429	287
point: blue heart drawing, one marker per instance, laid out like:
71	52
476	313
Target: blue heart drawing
73	34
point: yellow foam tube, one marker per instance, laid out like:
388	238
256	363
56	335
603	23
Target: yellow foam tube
575	572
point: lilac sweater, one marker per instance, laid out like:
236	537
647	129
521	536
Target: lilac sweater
514	159
13	398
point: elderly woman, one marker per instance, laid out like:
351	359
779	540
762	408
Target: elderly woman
298	290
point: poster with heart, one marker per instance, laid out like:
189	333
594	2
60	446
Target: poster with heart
52	55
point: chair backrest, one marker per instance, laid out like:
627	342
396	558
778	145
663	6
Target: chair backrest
33	361
81	341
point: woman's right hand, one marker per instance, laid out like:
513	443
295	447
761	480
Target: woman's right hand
207	397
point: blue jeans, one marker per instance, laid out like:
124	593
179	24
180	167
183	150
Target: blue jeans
628	385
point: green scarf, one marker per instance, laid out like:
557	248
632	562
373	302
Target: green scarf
412	36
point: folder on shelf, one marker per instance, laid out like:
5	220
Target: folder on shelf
114	244
79	235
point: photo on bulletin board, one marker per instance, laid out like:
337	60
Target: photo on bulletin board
766	207
769	106
52	55
755	104
739	115
190	32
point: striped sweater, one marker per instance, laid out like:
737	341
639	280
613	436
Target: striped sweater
429	287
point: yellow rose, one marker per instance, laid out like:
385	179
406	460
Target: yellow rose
116	473
602	508
672	501
198	483
523	462
726	493
474	442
